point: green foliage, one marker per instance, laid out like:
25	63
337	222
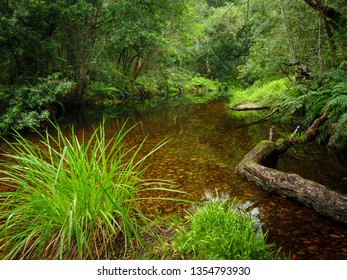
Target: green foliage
142	49
138	31
303	105
263	93
225	43
289	35
74	197
99	92
217	3
219	230
28	106
338	136
204	84
201	90
29	39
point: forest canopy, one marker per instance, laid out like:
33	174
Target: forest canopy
80	51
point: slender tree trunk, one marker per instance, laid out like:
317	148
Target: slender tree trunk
319	45
288	34
330	35
83	39
141	63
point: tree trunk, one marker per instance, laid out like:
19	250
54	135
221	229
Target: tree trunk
330	35
81	30
312	194
329	12
141	63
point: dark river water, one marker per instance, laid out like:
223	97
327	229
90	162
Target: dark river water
206	143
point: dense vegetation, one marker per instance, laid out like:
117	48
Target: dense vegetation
77	198
92	51
72	197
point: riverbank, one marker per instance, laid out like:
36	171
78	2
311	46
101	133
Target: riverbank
207	142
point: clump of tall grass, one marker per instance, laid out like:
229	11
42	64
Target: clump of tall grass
73	198
262	93
219	230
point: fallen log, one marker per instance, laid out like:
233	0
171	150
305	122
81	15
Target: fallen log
325	201
249	106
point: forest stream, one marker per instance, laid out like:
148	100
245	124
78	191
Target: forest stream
207	141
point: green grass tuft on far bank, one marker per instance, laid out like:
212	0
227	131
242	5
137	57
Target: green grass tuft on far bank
262	93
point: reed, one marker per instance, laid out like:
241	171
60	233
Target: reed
73	198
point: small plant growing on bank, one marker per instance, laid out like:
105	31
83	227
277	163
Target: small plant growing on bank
73	198
220	231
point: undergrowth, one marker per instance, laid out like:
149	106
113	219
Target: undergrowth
221	231
73	198
262	93
303	104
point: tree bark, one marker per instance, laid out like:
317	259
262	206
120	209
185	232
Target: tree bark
329	12
312	194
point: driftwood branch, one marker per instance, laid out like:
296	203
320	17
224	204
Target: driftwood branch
257	121
312	194
268	115
311	132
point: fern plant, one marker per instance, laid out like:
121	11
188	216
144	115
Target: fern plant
336	125
308	105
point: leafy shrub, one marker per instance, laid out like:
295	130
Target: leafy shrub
201	90
204	84
26	106
99	91
73	198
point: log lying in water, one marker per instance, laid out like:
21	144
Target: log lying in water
249	106
325	201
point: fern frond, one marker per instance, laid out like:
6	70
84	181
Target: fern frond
339	137
339	101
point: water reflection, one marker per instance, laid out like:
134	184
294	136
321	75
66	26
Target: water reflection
325	166
215	197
